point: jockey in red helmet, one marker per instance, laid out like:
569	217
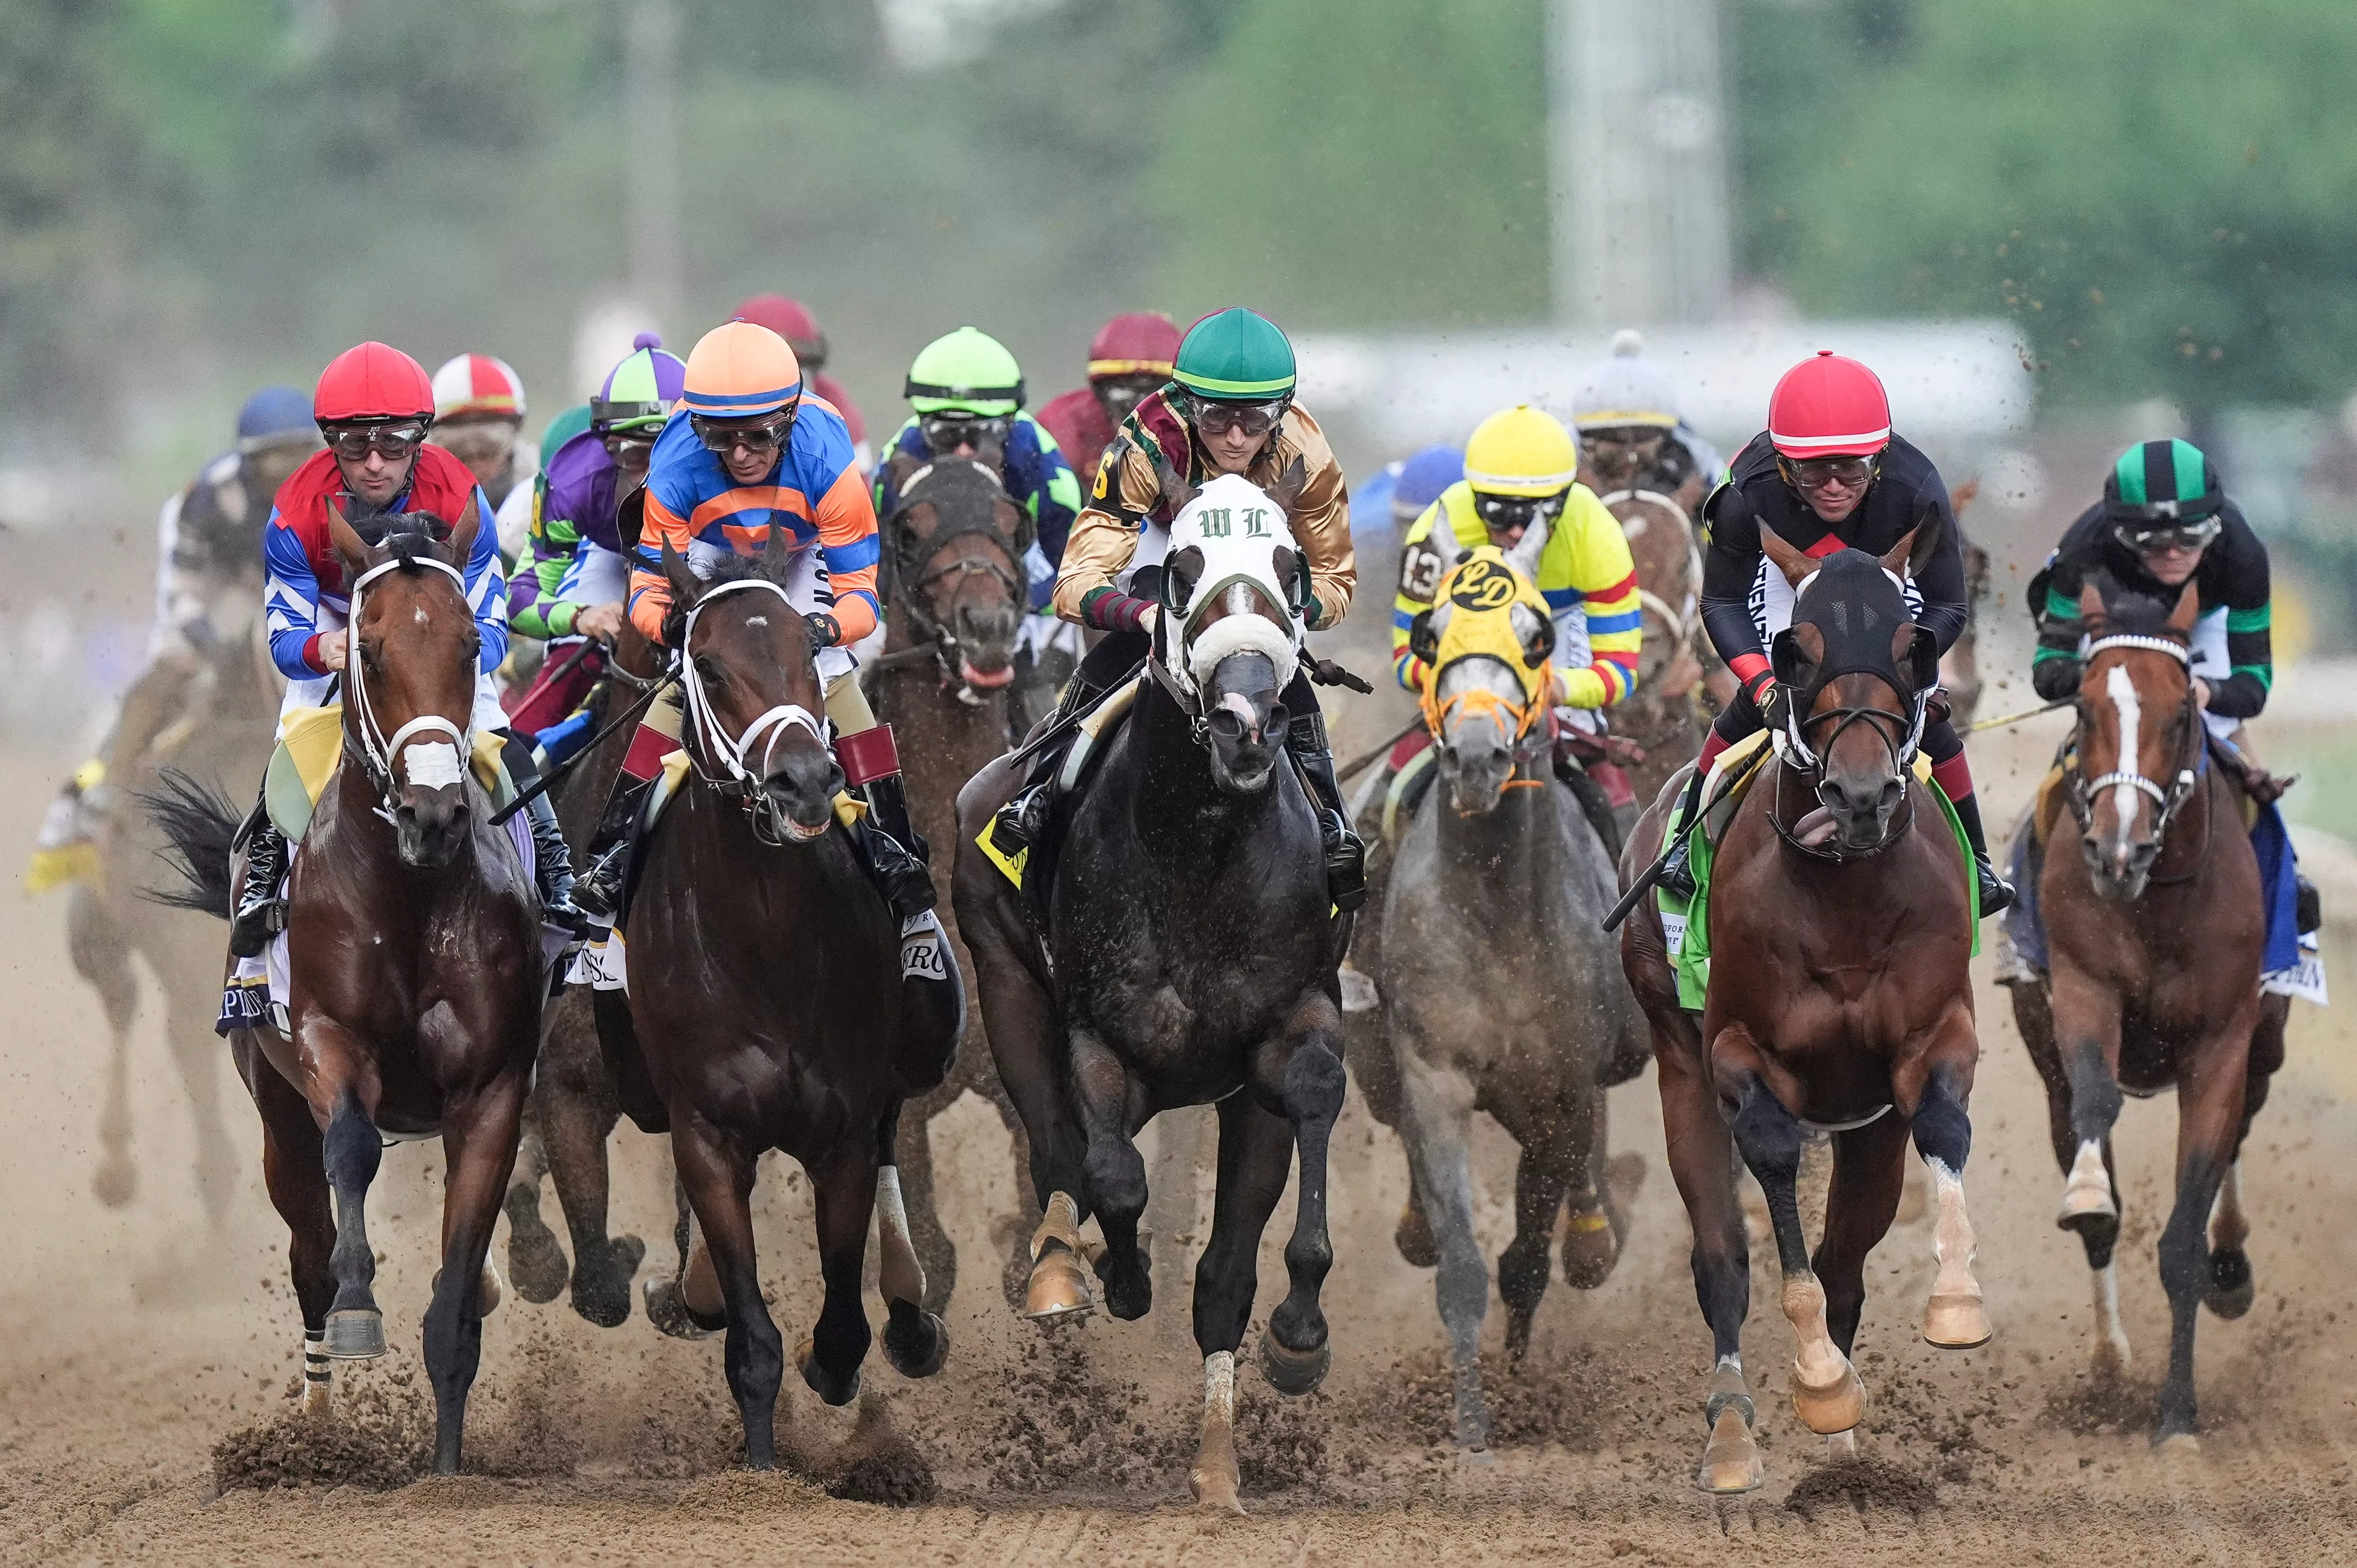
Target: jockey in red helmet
1825	474
1129	359
374	405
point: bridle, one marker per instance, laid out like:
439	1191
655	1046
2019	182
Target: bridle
1179	683
1900	733
737	779
2165	801
906	563
377	750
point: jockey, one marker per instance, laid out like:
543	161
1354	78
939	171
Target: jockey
374	405
574	583
479	419
1228	409
967	391
1129	357
749	453
791	320
208	562
1826	473
1519	468
1632	434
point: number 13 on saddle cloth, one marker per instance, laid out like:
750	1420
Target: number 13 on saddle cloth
1686	925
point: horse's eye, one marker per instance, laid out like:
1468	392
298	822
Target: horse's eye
711	671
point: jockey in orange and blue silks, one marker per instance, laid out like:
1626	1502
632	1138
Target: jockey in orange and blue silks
374	406
749	451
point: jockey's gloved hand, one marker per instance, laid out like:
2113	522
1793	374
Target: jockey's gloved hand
824	629
2055	679
1766	695
1326	672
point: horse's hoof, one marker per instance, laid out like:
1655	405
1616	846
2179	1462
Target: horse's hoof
1413	1237
356	1334
915	1341
1290	1372
601	1286
670	1315
1059	1286
1730	1464
1477	1459
2086	1204
534	1259
1129	1282
1955	1322
2177	1445
114	1182
837	1393
1214	1487
1830	1410
1590	1250
1842	1445
2231	1289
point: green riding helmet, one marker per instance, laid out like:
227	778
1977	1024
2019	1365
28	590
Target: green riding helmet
2157	481
968	371
1235	356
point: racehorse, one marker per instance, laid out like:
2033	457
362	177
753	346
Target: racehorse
954	596
1501	988
1660	715
1187	956
572	1110
213	722
414	971
2155	934
1839	925
765	1008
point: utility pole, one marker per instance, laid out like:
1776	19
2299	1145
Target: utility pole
650	162
1637	162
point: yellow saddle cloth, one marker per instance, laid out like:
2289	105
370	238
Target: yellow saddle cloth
310	750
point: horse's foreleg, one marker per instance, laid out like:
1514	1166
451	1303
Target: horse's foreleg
294	1171
2087	1046
2208	1119
915	1339
1435	1119
717	1181
577	1112
478	1147
1102	1090
350	1153
1294	1351
1956	1318
1591	1242
102	955
1868	1175
931	1252
1550	1166
1255	1155
2232	1288
1701	1162
536	1264
845	1189
1826	1394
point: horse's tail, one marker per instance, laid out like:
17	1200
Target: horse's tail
199	826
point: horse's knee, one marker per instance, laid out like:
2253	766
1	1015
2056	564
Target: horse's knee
2095	1099
1314	1082
1942	1131
1768	1136
350	1149
1116	1174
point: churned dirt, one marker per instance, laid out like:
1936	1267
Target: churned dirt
147	1367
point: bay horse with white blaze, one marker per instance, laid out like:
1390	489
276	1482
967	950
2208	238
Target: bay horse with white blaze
2155	935
1840	928
414	971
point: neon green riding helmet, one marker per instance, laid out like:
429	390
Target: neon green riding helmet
1236	356
968	371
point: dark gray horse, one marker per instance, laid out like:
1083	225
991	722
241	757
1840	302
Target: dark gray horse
1502	991
1184	954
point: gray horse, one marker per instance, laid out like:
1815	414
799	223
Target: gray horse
1504	995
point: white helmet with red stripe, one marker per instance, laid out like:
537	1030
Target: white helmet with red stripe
1829	406
477	386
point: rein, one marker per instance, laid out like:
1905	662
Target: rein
429	769
2165	801
934	640
737	780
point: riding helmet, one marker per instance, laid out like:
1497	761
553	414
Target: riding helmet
740	371
2155	479
477	386
1625	388
1235	356
1139	343
1521	451
967	372
1829	405
789	319
372	383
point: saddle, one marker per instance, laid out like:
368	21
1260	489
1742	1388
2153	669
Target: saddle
313	747
1092	734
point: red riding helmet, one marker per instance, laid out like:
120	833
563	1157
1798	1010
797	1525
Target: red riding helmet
373	382
1142	343
789	319
1829	406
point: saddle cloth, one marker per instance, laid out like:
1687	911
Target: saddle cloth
1091	736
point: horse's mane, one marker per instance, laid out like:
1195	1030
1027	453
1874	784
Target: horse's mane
945	478
2132	609
742	569
406	534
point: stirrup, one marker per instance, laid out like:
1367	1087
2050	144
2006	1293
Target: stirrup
256	922
1346	861
1996	893
1018	824
598	892
1676	877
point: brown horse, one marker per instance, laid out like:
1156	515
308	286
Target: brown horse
2155	934
1660	715
1837	998
765	1008
955	598
414	974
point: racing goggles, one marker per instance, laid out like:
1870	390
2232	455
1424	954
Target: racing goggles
1507	514
2148	535
353	443
1849	471
631	435
757	436
1251	418
945	432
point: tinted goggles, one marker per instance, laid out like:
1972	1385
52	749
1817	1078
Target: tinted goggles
757	436
355	442
1816	473
1251	418
2144	536
1504	513
945	432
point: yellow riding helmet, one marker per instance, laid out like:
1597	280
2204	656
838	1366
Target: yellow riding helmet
1521	451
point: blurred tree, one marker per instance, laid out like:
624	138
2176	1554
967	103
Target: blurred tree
2155	194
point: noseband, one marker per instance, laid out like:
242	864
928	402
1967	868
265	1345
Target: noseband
1900	733
908	557
2165	801
737	779
377	751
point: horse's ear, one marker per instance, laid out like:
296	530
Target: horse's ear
1290	484
1423	637
686	587
1795	651
777	554
1534	631
350	547
1176	491
1917	653
2188	610
2091	602
1794	563
461	542
1911	556
1181	572
1964	495
1293	577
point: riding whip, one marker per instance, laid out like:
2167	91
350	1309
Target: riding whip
1980	725
548	780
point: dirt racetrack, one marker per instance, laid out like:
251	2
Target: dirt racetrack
136	1340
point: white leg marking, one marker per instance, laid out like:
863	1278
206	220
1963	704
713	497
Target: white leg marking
2111	1353
1956	1315
318	1372
2088	1189
2229	1226
901	1277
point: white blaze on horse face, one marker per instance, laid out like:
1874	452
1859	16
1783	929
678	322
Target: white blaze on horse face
2123	692
432	764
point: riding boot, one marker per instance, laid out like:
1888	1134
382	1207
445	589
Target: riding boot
1346	853
1996	893
261	913
895	852
1676	877
2308	905
555	863
597	894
